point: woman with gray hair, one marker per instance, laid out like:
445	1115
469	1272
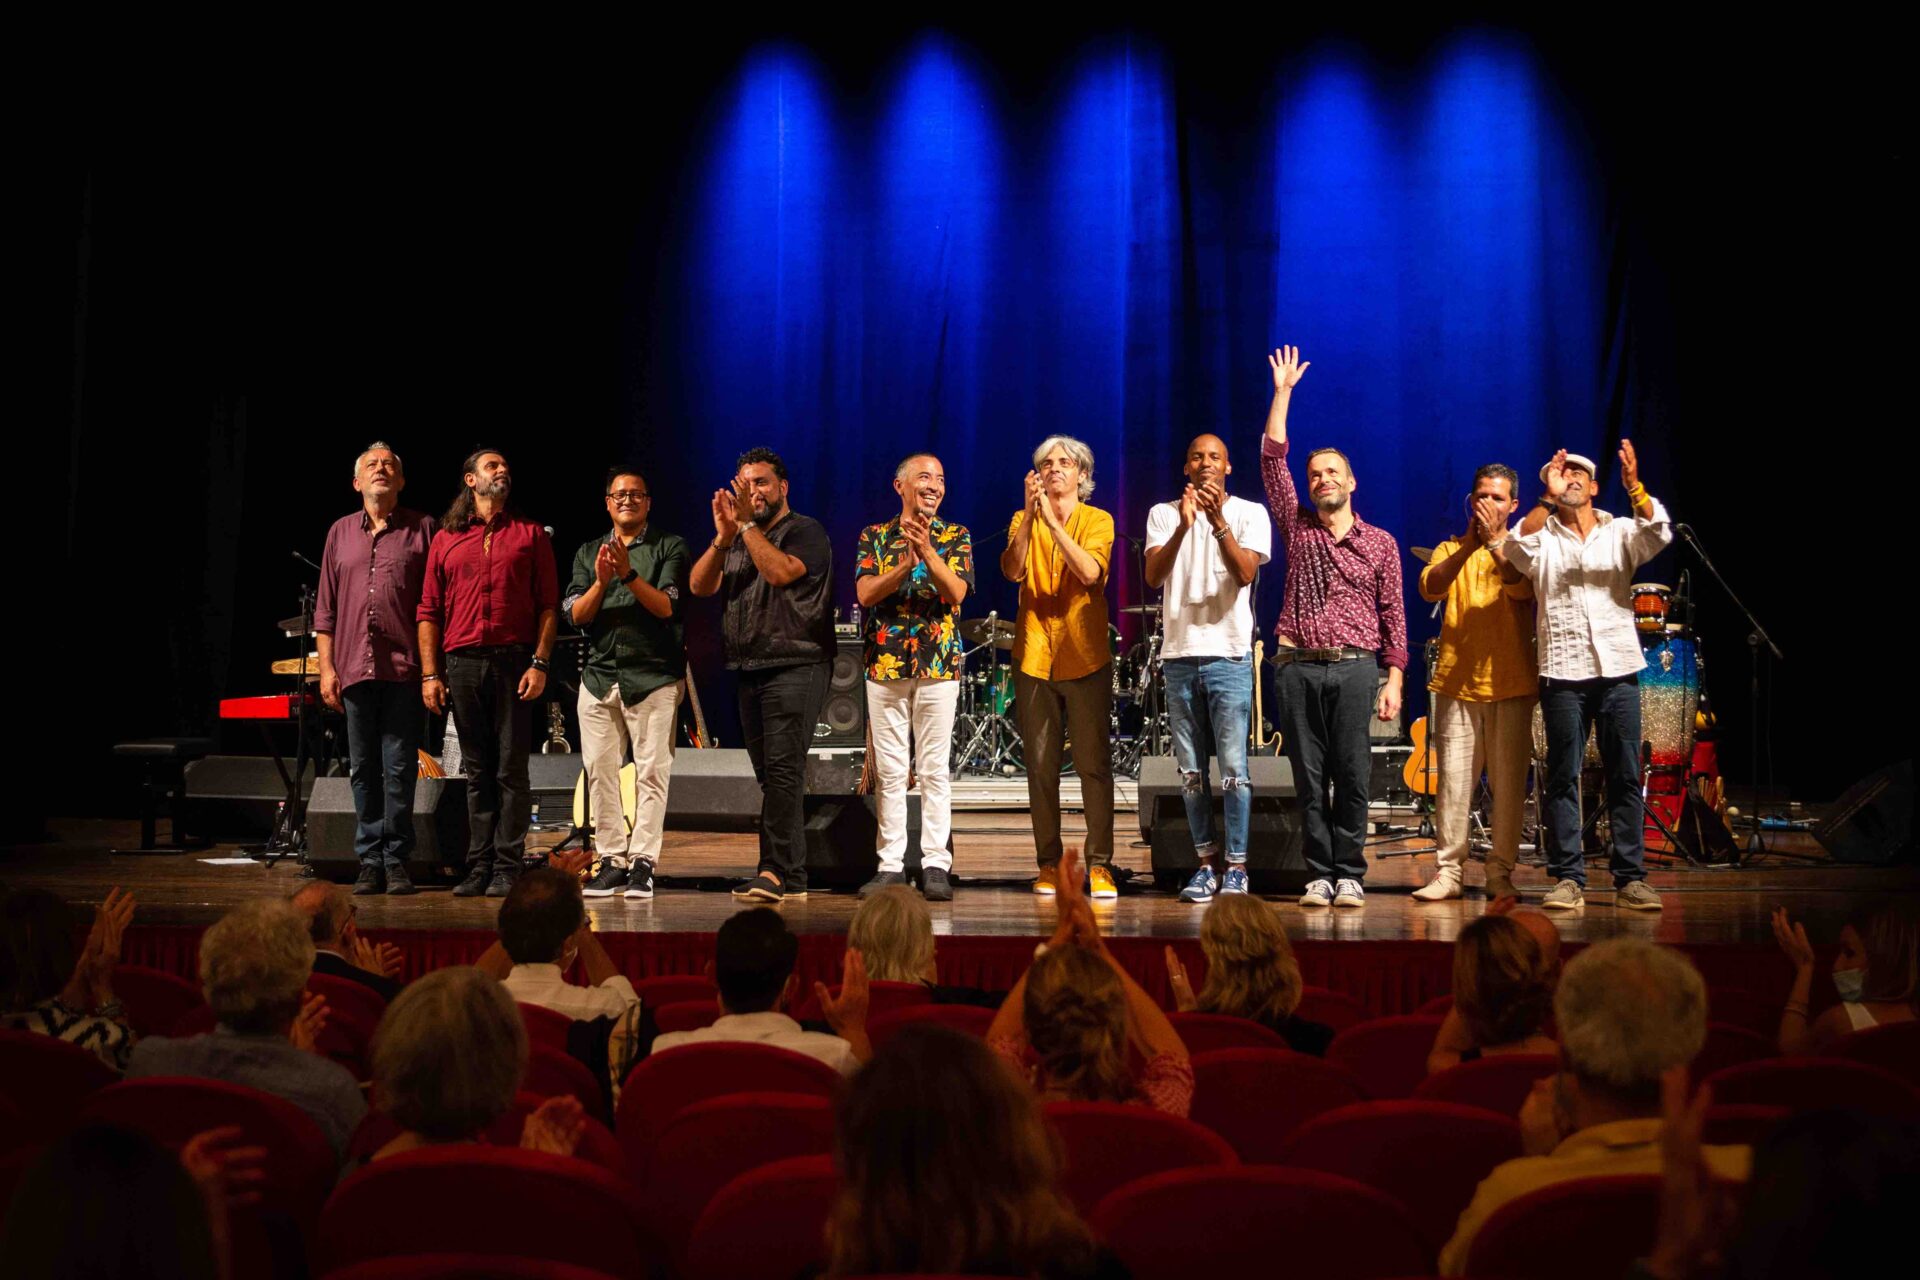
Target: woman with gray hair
254	965
447	1061
1058	549
893	932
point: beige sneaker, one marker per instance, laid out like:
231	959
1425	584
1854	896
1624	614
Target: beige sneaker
1637	895
1565	896
1445	884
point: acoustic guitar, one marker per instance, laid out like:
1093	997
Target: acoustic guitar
1422	770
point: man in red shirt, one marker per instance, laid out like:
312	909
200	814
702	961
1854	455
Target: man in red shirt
490	602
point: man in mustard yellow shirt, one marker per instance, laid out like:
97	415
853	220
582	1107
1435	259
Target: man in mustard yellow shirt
1057	550
1483	687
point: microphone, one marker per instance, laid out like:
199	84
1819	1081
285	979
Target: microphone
303	560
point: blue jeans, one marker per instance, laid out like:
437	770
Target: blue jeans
1611	706
1209	702
384	721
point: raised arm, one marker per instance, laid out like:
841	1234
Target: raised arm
1283	500
704	579
1013	557
1653	529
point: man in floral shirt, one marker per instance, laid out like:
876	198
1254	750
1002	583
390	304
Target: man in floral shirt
910	575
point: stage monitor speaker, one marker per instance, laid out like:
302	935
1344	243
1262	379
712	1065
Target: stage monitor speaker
439	829
843	716
1276	861
1873	821
235	796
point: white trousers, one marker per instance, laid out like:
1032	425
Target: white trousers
912	723
1469	737
608	729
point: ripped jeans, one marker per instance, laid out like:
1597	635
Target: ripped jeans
1209	702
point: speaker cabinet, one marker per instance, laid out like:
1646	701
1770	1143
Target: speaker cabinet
1276	862
843	716
1873	821
229	796
439	828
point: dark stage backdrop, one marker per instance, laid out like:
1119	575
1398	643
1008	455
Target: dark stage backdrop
1490	241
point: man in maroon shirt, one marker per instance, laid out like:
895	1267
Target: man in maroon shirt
1341	619
370	578
490	600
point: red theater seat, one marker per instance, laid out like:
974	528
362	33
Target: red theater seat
882	997
1254	1098
1500	1083
1813	1084
672	988
1438	1007
1108	1144
666	1082
1331	1008
552	1072
1582	1229
1893	1047
155	999
344	994
1244	1221
686	1015
49	1079
1388	1056
1740	1124
1744	1009
464	1266
546	1026
597	1145
960	1017
1203	1032
1728	1045
766	1225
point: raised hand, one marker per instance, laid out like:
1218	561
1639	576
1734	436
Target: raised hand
554	1126
1212	501
1557	476
847	1012
1629	465
1792	939
1189	507
1183	997
743	496
571	861
1695	1210
309	1022
1487	520
225	1174
726	515
1288	368
609	564
1036	494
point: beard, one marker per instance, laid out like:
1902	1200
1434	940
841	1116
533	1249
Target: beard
1331	501
765	515
498	487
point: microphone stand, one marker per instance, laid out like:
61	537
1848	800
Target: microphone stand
1757	638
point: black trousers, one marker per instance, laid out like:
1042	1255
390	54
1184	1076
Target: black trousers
778	709
496	736
1324	709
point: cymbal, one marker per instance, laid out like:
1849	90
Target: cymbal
1422	554
1140	608
976	631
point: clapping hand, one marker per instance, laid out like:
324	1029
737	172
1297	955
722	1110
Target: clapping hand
726	515
1036	505
226	1174
1487	521
309	1022
1792	939
1288	368
91	983
1212	501
918	531
1189	507
554	1126
1695	1210
848	1012
1183	997
383	958
1629	465
609	565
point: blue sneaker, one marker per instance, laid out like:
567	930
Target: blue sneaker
1202	887
1319	894
1236	881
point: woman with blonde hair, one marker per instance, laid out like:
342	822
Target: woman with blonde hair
1074	1015
893	930
946	1167
1503	984
1251	972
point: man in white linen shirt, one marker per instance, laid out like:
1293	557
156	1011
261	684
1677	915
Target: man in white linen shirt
1207	611
753	961
543	927
1582	564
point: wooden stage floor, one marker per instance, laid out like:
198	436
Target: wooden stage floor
993	866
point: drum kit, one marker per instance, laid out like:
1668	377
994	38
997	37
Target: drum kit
986	736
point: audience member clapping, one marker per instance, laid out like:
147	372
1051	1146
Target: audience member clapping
338	949
893	932
1504	972
106	1201
1628	1013
1078	1012
1251	972
544	928
449	1056
1877	974
45	988
753	961
254	965
947	1167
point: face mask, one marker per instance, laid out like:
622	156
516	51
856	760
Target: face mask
1851	983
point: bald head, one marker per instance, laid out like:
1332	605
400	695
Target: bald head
1206	462
328	912
1543	931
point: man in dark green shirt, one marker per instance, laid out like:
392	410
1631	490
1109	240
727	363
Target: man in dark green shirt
625	594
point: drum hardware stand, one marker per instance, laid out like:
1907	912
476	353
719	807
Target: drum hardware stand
1757	638
289	833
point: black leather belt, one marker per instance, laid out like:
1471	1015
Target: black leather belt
1345	653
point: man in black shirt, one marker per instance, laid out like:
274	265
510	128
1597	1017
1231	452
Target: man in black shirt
338	949
775	569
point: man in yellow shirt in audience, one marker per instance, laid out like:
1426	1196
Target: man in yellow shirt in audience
1483	689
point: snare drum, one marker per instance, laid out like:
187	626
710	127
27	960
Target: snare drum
1651	603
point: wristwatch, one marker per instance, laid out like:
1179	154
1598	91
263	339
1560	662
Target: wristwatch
631	575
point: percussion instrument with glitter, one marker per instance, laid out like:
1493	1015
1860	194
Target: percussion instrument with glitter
1669	704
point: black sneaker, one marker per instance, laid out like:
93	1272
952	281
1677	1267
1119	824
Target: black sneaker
399	880
764	887
639	880
935	885
607	881
882	880
475	883
372	880
502	884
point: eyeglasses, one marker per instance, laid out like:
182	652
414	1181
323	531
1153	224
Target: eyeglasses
627	497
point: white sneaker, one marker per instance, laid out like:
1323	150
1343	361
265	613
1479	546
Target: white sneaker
1348	893
1318	894
1445	884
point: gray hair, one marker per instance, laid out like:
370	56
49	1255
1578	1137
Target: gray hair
449	1054
398	464
1626	1011
893	932
900	472
254	964
1078	451
325	906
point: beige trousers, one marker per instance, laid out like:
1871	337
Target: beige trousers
1469	737
608	727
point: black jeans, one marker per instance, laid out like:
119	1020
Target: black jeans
1611	707
778	708
384	721
1324	708
496	735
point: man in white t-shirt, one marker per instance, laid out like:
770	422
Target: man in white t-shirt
753	961
1204	550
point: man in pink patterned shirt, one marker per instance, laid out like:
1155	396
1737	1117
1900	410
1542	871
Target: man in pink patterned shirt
1341	619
